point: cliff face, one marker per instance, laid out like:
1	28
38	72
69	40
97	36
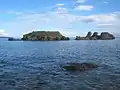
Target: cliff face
106	36
44	35
95	36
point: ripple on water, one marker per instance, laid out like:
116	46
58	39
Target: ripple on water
38	65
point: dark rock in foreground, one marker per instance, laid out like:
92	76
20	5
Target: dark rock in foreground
95	36
80	66
44	36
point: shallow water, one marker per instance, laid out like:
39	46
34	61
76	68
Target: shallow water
38	65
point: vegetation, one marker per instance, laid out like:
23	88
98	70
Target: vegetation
44	36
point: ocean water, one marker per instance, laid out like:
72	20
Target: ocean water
39	65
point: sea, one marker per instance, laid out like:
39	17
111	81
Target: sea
38	65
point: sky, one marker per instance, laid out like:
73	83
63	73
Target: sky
70	17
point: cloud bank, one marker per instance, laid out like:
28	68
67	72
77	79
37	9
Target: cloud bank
84	7
61	19
3	33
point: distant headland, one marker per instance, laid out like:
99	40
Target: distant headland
56	35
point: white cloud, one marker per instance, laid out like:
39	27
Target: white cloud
53	20
60	4
13	12
100	18
61	20
107	22
81	1
104	24
61	10
84	7
3	33
105	2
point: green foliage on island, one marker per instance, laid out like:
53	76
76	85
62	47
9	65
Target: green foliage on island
44	36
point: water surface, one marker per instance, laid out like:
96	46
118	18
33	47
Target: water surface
38	65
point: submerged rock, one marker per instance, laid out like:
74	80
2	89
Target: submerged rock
80	66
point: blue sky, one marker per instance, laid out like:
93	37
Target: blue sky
70	17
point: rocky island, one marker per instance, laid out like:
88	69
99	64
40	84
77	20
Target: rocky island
95	36
13	39
44	36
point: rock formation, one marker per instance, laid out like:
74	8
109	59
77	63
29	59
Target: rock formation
95	36
106	36
89	34
13	39
80	66
44	36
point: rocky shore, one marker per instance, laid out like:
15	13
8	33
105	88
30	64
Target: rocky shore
95	36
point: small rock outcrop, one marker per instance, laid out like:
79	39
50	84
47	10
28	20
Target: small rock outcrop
95	36
44	36
13	39
80	66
